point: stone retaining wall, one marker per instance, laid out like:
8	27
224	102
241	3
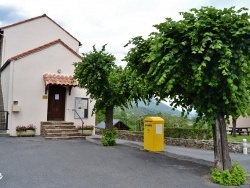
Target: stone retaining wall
235	147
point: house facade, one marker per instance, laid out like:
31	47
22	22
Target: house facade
37	57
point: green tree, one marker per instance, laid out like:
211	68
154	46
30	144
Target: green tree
104	81
200	62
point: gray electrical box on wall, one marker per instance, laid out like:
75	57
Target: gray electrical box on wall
16	107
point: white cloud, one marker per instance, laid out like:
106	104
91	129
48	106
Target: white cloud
97	22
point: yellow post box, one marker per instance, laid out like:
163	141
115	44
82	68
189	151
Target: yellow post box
154	134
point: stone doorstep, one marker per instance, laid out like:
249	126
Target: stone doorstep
60	130
56	123
57	126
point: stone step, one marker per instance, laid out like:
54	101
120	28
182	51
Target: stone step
62	134
56	123
65	127
65	138
58	126
61	130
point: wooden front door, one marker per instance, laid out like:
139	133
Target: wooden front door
56	103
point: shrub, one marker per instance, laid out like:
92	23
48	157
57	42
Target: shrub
235	177
108	138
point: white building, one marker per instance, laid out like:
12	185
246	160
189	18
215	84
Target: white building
37	58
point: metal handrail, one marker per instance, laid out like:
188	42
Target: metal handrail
79	118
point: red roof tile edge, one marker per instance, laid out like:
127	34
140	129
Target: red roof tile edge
59	80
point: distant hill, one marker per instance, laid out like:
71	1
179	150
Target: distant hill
153	108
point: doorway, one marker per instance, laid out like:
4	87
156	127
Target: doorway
56	103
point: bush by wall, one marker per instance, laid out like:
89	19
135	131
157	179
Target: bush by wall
109	137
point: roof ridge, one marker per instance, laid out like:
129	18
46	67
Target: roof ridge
38	17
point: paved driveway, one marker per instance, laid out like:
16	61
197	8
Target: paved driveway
38	163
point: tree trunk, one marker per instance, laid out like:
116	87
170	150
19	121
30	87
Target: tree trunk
217	147
109	117
234	128
222	160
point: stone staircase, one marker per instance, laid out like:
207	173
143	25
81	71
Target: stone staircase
59	130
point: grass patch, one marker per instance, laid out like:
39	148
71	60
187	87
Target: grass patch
238	138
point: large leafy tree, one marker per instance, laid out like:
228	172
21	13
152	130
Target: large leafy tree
104	81
200	62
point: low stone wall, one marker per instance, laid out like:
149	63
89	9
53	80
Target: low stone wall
235	147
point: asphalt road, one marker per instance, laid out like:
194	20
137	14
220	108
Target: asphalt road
37	163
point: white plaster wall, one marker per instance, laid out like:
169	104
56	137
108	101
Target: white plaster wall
32	34
29	87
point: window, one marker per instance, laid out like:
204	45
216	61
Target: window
81	107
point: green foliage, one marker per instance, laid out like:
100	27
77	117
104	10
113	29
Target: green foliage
99	116
188	133
135	121
176	121
235	177
104	81
200	62
108	138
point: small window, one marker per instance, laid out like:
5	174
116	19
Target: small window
81	107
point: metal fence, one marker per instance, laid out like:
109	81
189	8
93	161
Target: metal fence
4	120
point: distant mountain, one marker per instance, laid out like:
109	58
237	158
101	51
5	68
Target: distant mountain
153	108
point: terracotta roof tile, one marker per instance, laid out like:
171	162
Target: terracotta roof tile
38	17
57	79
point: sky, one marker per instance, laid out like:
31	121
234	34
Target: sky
111	22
